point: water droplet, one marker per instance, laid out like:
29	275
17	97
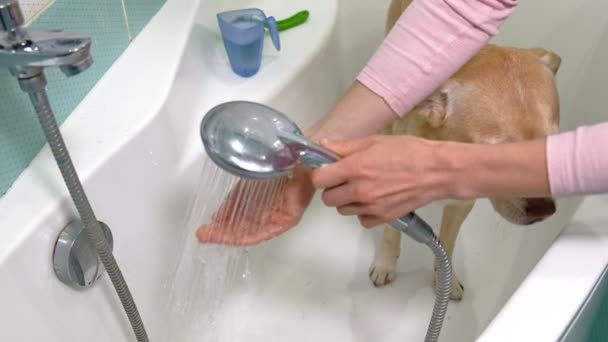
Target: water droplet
246	274
154	161
212	320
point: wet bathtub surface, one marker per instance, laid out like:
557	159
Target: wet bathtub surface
311	284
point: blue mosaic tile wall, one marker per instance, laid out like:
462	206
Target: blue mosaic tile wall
21	137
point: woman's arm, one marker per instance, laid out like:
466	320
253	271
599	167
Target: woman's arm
431	40
360	112
382	177
429	43
502	170
377	184
570	163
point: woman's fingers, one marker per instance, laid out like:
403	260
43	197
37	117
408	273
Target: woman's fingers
382	210
339	196
346	148
353	209
211	233
369	221
332	175
246	232
255	212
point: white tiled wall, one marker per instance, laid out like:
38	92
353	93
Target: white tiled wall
32	8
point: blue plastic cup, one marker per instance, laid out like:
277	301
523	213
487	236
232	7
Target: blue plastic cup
243	35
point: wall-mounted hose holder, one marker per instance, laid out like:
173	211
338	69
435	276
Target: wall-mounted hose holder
75	261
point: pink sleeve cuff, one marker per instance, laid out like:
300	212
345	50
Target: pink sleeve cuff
577	161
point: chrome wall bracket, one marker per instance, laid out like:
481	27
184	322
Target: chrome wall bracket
75	260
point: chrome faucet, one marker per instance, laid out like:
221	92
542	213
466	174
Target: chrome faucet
25	51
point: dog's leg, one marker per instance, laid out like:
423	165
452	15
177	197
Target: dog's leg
454	214
382	270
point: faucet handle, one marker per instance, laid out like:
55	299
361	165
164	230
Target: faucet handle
11	17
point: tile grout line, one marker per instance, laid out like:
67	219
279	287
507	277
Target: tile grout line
126	17
31	19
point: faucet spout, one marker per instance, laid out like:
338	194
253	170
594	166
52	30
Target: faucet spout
26	51
71	51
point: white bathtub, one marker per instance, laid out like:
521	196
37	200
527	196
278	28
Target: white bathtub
135	143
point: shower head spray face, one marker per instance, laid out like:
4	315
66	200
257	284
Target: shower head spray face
254	141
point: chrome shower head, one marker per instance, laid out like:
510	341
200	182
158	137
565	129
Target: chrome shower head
254	141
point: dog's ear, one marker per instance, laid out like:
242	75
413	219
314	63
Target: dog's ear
438	107
550	58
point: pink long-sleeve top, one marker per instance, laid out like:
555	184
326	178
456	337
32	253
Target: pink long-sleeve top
433	39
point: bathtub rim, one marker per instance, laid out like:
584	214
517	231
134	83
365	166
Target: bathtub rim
588	307
532	313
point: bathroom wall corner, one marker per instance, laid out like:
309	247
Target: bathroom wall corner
140	12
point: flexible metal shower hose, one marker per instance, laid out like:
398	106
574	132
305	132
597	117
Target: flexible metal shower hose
417	229
444	286
96	236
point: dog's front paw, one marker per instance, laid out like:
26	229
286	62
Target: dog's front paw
457	289
382	271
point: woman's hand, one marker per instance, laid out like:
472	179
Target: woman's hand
257	211
348	119
381	178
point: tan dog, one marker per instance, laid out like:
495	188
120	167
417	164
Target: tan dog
502	94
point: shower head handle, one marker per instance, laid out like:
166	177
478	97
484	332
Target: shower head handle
308	153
